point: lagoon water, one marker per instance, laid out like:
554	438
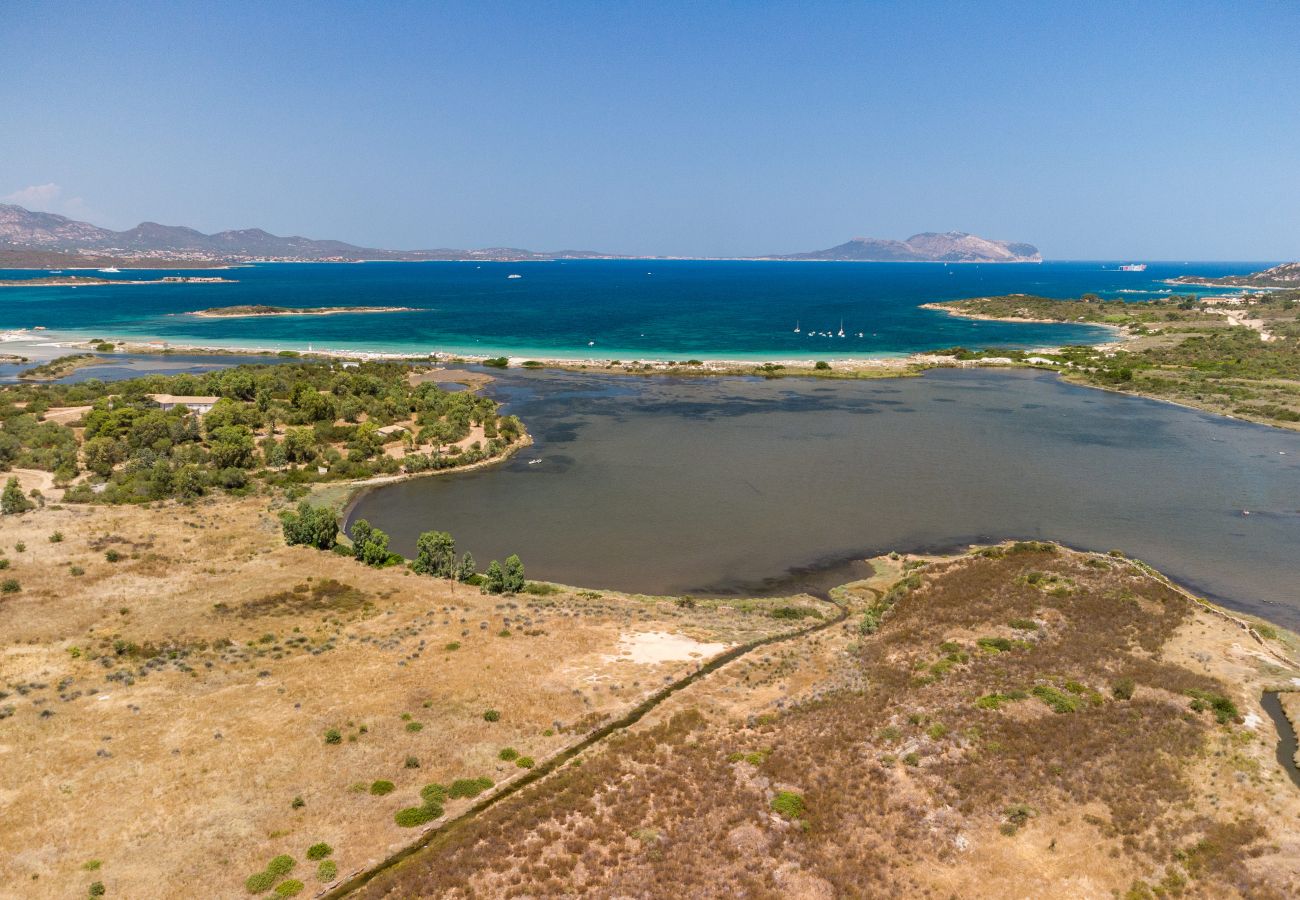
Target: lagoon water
742	485
628	309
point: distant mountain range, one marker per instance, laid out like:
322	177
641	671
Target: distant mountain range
47	240
949	246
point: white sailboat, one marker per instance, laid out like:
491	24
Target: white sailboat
841	332
796	326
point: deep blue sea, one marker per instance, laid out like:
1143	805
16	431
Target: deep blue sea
627	309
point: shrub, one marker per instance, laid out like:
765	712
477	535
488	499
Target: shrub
1122	689
1024	624
319	851
1059	701
291	888
4	563
822	365
259	883
113	556
995	644
328	870
412	762
312	526
508	754
1016	816
491	715
433	793
380	788
13	501
56	537
97	889
297	803
468	787
414	816
454	645
332	736
525	762
10	586
788	804
281	865
1225	710
794	613
74	571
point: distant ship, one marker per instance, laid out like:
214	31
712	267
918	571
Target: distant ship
514	276
111	269
1133	267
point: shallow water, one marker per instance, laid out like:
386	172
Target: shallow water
595	308
743	485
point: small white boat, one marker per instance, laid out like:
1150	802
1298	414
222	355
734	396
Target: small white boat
591	343
111	269
533	462
841	333
514	276
796	327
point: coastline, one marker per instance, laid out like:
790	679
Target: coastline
314	311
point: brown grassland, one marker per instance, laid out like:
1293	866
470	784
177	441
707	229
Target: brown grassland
1033	722
167	717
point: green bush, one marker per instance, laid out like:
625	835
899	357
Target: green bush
525	762
995	644
10	586
508	754
113	556
412	762
1059	701
281	865
788	804
414	727
319	851
414	816
56	537
1122	689
433	793
259	883
491	715
291	888
1024	624
97	889
454	645
328	870
380	788
822	365
332	736
1225	710
468	787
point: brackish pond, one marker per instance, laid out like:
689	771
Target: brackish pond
744	485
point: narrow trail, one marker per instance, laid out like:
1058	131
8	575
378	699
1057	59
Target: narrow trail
359	879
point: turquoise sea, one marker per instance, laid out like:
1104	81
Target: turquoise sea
626	309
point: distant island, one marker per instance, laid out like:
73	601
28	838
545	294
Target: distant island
44	240
1287	275
950	246
235	312
93	280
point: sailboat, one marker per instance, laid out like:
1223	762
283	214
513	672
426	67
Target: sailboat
841	332
796	327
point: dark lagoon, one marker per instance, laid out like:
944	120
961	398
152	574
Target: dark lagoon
734	485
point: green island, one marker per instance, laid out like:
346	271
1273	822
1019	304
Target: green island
229	312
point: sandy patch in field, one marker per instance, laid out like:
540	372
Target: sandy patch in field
649	647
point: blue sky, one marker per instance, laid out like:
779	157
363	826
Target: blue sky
1095	130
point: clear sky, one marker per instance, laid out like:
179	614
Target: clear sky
1095	130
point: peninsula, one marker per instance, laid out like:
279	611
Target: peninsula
93	280
234	312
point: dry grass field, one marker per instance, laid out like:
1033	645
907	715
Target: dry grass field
183	698
1032	723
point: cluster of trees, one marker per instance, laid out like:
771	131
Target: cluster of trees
435	551
284	424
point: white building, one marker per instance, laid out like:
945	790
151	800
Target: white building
196	405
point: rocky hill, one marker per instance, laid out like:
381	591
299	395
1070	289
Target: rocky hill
948	246
24	230
1287	275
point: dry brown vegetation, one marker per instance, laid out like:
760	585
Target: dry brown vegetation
184	698
1032	722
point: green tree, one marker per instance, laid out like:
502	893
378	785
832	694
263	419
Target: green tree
467	570
369	544
102	454
435	554
12	500
367	441
313	526
494	581
513	578
232	447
